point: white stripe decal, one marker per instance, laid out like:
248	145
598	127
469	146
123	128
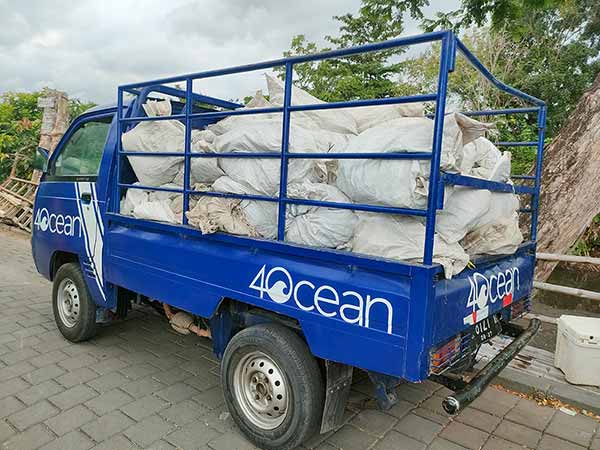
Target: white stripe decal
99	234
97	208
85	216
84	227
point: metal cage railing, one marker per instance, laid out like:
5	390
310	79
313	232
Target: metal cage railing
450	45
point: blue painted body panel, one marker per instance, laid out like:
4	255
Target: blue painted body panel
196	273
449	293
376	314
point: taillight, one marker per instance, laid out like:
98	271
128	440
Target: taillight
449	353
519	308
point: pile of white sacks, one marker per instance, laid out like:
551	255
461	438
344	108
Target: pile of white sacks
472	222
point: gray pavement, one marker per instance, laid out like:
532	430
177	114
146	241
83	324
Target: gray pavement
139	385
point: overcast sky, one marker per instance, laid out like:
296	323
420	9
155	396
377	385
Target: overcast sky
88	47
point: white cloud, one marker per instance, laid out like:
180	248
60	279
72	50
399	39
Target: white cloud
87	48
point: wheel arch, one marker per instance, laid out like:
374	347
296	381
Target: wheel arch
232	315
60	258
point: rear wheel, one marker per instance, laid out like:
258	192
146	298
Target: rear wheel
272	386
74	309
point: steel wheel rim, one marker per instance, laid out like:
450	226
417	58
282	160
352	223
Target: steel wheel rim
68	303
261	390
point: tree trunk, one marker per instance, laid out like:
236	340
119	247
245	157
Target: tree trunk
570	196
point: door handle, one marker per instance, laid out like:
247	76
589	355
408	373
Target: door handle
86	197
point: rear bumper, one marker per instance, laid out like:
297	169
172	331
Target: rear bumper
466	392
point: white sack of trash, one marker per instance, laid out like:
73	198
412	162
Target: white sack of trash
473	222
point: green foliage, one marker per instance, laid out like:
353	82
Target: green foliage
589	243
78	107
557	46
547	48
519	128
469	91
20	122
372	75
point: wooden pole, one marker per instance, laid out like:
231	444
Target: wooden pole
55	121
567	258
582	293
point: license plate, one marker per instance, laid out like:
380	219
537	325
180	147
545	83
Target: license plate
486	329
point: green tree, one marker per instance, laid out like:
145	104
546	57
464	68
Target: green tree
547	48
556	51
550	49
20	122
371	75
469	91
77	107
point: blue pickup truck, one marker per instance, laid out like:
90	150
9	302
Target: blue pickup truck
277	312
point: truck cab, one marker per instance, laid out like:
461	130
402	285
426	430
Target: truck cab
71	199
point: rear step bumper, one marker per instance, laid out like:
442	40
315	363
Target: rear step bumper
466	392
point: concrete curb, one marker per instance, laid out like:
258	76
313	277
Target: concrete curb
577	396
533	370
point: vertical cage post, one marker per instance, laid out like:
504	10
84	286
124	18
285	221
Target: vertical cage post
452	61
535	198
285	137
446	58
117	189
187	148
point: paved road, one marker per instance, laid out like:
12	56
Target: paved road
140	385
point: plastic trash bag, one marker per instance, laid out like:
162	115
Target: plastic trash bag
403	238
401	183
153	137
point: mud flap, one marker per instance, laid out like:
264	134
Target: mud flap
339	380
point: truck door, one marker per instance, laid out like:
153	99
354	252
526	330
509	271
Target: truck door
68	210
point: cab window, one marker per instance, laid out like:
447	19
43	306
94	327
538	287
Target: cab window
80	157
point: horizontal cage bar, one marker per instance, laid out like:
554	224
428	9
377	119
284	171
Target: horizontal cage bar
350	51
151	119
367	102
478	183
174	92
501	112
523	177
150	188
262	198
261	155
357	207
237	112
317	203
516	144
157	154
362	155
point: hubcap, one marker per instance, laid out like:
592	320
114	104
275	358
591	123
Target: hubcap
261	390
68	302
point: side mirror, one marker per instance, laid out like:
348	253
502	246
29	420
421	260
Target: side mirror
40	161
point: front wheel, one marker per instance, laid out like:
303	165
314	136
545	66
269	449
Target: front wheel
272	386
74	309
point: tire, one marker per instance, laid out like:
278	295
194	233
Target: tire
285	369
74	309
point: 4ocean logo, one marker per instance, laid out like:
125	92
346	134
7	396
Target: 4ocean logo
358	308
490	289
57	223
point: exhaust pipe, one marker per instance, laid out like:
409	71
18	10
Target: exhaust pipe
471	390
